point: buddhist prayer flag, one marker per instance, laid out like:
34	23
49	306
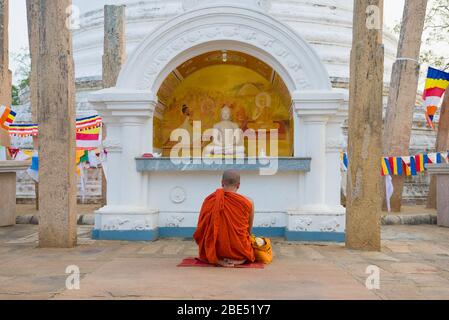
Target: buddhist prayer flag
419	163
436	84
386	167
389	188
7	117
88	139
344	160
32	130
88	123
33	171
439	159
23	130
432	158
398	168
407	166
444	157
13	152
81	156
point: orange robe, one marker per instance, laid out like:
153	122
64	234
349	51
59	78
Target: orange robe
223	228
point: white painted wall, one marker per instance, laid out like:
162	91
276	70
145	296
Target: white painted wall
325	24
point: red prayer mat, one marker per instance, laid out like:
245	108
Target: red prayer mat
195	262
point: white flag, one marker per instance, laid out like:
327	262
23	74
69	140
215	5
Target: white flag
390	190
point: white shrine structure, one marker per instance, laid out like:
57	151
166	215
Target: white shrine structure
157	198
299	47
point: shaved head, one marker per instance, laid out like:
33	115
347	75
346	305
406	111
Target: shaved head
231	178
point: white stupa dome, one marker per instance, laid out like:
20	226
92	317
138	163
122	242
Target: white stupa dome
325	24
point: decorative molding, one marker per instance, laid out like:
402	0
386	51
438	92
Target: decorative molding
174	221
259	34
331	225
223	31
112	145
264	5
302	224
334	144
134	224
266	222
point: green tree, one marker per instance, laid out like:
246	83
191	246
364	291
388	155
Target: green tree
436	37
22	73
435	50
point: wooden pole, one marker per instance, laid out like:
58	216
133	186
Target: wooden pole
442	145
113	58
403	88
365	127
33	40
5	73
56	116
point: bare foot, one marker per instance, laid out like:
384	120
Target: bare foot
235	262
225	263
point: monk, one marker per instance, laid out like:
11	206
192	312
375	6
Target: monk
225	225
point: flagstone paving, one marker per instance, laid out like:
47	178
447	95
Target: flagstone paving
413	264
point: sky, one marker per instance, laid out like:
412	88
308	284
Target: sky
18	39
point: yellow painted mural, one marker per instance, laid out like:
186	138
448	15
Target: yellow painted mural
256	103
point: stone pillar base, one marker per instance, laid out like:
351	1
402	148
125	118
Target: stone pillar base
316	223
126	224
8	171
8	199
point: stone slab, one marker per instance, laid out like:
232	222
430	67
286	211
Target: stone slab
245	164
8	170
442	173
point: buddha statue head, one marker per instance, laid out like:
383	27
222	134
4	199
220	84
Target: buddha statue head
226	113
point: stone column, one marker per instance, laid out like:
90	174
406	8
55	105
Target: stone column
403	87
114	55
127	214
334	146
319	215
5	73
315	134
33	41
131	184
56	116
365	128
318	135
114	44
113	145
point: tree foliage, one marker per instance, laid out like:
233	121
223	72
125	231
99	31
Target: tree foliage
436	35
22	73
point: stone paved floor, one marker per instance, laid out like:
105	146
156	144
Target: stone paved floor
414	264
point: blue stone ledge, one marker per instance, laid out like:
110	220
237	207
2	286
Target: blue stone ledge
152	235
126	235
315	236
243	164
176	232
